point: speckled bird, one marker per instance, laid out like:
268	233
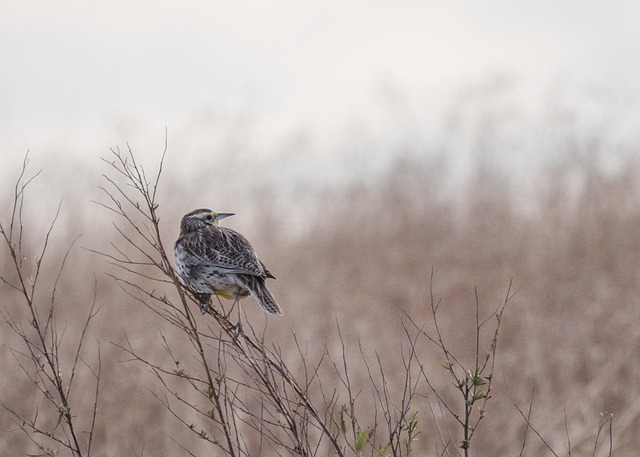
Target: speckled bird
217	260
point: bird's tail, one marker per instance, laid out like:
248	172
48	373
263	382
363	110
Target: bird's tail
262	295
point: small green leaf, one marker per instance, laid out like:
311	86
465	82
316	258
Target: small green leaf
478	395
209	392
362	437
341	422
178	370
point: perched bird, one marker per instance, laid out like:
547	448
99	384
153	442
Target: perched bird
217	260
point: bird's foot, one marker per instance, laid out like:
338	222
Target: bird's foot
237	330
203	301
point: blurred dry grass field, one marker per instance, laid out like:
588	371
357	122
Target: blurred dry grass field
363	259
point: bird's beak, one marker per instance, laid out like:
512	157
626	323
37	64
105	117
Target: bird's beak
218	216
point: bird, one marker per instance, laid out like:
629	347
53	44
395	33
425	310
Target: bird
211	259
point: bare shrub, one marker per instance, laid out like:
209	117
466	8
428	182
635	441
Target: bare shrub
237	392
356	283
49	363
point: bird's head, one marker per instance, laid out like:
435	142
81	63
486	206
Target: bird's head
200	218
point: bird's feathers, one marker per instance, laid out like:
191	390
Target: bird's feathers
219	260
222	248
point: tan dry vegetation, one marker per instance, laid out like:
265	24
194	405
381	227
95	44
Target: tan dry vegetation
364	260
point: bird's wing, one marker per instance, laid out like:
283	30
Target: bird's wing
225	249
236	252
267	273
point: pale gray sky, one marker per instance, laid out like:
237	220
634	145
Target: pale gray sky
79	75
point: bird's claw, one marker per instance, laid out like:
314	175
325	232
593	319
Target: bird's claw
237	330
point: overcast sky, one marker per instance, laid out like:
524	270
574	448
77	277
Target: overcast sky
83	74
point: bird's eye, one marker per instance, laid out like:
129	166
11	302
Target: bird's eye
209	217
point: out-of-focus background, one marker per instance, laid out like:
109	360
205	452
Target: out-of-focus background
361	145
